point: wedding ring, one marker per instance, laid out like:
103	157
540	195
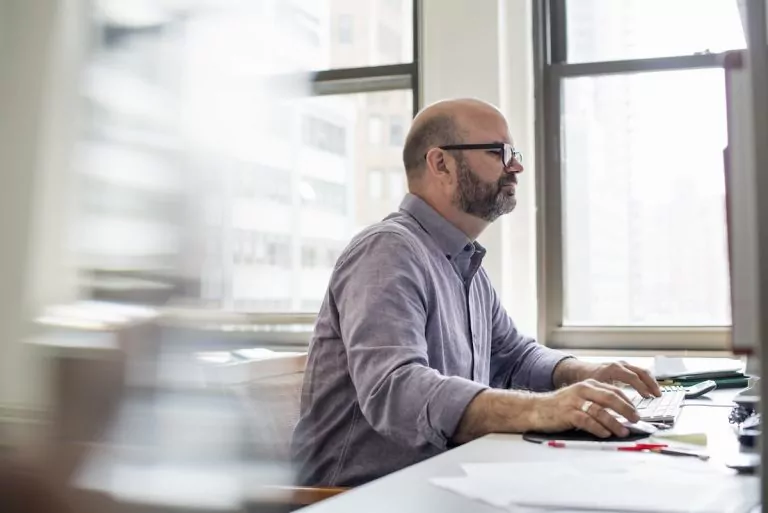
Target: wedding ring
585	407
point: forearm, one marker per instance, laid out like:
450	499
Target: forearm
497	411
568	372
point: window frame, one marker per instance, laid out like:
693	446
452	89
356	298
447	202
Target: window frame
551	69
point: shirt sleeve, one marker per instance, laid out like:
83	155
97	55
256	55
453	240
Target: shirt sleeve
381	291
518	361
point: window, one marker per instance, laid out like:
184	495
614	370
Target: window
644	221
634	185
299	21
232	132
375	127
324	135
262	182
396	132
345	29
308	257
358	40
605	30
273	250
325	195
332	255
389	43
396	186
392	4
375	183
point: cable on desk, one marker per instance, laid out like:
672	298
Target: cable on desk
740	413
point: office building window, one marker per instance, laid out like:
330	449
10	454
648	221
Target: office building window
375	128
357	40
396	131
397	185
325	195
345	29
272	249
256	181
638	185
375	183
324	135
308	257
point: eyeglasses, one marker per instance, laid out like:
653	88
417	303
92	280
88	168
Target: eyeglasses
505	151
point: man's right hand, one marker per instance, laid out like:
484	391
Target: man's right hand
583	406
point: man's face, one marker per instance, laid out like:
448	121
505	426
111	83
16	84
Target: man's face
484	187
484	199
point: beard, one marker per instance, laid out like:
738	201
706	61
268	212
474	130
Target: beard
481	199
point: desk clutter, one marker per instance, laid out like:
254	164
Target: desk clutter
632	474
687	372
606	481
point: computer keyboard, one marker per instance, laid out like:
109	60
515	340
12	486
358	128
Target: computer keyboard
660	409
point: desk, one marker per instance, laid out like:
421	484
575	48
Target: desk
409	491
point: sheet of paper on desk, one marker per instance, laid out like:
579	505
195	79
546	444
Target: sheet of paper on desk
596	463
601	484
671	367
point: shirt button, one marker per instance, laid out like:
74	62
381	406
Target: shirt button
448	257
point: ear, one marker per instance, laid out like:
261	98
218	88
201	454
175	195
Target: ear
440	165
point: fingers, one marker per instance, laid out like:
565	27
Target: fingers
607	420
625	375
614	389
646	378
611	397
586	422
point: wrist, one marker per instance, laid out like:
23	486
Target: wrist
569	371
498	411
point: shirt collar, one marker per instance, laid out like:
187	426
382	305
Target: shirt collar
451	241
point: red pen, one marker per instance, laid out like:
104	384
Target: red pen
605	446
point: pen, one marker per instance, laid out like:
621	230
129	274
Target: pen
681	452
605	446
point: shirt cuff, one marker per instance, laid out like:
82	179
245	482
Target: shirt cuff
446	407
543	369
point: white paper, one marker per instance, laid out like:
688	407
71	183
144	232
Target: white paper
670	367
596	463
606	484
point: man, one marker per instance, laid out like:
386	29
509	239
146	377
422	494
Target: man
412	350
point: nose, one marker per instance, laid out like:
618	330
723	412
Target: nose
515	166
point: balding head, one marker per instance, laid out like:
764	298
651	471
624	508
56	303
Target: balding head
442	123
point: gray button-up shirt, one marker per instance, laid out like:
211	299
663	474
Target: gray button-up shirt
410	331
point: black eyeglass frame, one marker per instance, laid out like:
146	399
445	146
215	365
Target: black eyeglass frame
507	153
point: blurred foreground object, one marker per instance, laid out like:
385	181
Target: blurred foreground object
146	417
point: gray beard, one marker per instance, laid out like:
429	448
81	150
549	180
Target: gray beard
488	201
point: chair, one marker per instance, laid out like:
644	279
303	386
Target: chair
270	391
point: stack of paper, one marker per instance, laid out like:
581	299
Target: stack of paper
665	367
607	482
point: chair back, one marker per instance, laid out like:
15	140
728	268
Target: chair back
270	393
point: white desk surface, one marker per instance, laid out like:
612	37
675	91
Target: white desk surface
409	491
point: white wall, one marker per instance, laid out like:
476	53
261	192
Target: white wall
483	49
